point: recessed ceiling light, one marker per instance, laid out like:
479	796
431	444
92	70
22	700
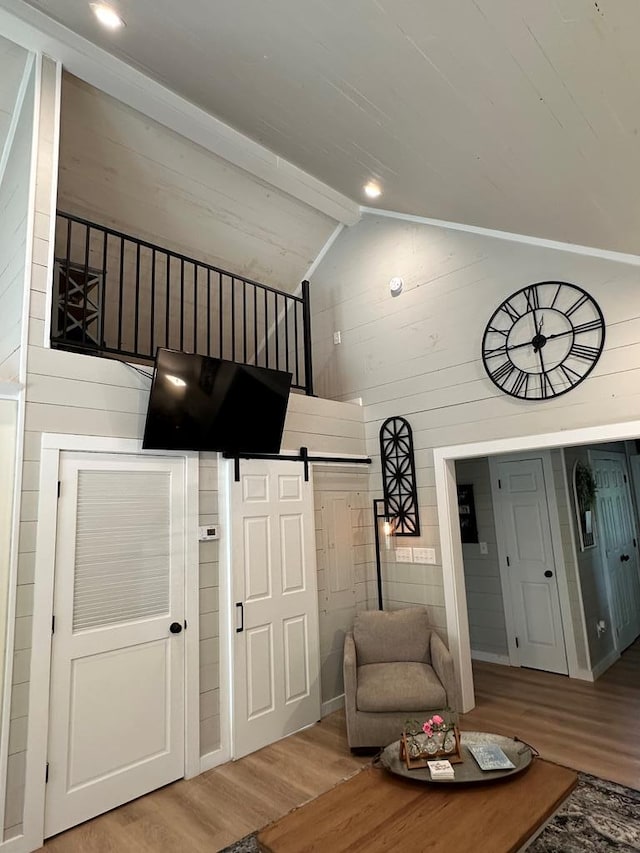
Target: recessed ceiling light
107	16
372	189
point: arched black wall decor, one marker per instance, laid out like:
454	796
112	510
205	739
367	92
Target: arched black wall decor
399	476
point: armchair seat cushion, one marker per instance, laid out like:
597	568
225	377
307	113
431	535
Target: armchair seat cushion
398	686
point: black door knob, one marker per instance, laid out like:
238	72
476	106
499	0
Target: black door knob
548	573
175	627
624	558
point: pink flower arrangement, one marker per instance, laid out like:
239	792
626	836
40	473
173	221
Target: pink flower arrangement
434	724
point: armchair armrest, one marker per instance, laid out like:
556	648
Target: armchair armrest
349	673
442	663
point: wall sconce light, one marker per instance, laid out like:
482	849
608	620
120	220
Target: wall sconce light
388	528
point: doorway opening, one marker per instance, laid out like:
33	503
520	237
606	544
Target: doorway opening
455	592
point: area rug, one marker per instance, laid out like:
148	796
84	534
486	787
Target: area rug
597	817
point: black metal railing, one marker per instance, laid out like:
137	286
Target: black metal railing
122	297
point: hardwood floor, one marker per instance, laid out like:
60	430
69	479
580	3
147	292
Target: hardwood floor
593	727
590	727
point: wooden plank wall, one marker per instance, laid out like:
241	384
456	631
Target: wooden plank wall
418	355
76	394
14	210
121	169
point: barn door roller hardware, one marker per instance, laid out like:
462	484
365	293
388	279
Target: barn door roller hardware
301	456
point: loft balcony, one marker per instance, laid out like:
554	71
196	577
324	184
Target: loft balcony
120	297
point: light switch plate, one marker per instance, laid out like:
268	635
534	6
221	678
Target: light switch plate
424	555
404	555
483	548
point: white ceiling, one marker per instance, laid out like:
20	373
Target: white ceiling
12	63
519	115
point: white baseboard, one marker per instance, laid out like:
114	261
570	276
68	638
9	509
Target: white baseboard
490	657
582	674
332	705
214	759
605	663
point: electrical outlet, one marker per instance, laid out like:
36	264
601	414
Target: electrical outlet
484	548
424	555
404	555
337	338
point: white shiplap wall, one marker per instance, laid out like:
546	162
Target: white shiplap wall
74	394
482	571
121	169
418	355
343	580
14	210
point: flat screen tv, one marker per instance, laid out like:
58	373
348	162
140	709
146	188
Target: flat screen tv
201	403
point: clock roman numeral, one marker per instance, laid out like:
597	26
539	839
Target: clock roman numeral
502	373
583	352
591	326
512	313
520	384
546	387
577	304
555	298
570	375
492	353
498	331
533	297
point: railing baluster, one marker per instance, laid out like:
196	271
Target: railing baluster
287	302
266	330
136	313
208	312
195	308
255	325
168	302
306	319
276	329
220	313
103	296
63	330
297	347
233	318
244	324
120	293
85	284
152	327
181	304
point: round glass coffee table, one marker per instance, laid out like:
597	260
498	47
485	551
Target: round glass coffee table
468	771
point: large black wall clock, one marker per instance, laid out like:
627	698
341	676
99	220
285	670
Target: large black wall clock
543	340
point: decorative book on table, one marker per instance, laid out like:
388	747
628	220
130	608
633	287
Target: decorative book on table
441	769
491	757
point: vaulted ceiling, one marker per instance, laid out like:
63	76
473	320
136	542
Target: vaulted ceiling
518	115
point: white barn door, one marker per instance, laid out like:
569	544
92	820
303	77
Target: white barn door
276	649
116	714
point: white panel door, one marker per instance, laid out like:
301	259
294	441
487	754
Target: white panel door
116	727
614	519
524	516
276	653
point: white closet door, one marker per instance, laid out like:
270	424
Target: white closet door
276	654
116	727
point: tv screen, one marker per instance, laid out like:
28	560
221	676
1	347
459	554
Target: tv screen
201	403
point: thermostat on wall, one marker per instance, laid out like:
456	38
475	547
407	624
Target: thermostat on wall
208	532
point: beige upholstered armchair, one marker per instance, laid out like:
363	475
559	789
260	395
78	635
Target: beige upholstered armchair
395	668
